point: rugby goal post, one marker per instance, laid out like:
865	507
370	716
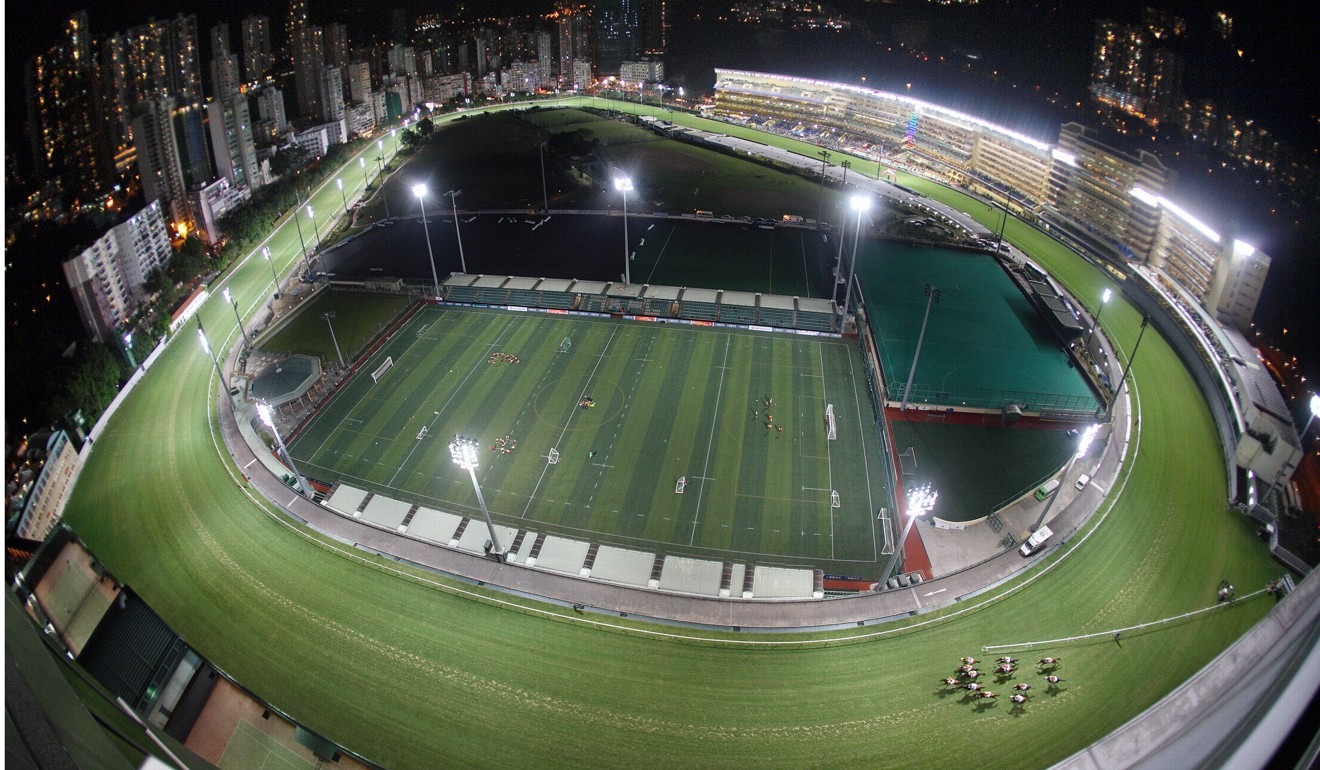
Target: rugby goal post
680	485
829	421
834	499
380	370
566	345
553	457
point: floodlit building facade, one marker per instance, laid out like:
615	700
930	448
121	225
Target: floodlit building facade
107	277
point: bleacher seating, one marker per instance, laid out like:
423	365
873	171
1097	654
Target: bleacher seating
657	307
596	303
462	294
737	314
775	316
822	322
698	311
556	299
523	297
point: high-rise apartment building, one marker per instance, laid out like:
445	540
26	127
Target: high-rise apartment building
185	59
617	24
655	27
159	166
336	47
258	57
224	76
113	113
308	61
57	457
359	82
220	40
61	109
297	18
1136	67
270	114
107	277
332	94
231	141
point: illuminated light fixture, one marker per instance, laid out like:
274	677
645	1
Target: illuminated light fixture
1243	249
1084	443
1144	197
1064	156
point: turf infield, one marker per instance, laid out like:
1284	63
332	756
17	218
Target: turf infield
670	401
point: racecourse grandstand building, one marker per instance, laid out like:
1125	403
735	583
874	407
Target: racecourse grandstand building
1107	203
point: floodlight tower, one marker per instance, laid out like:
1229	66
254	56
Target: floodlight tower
420	191
274	277
1104	300
327	317
1083	445
230	299
128	350
316	231
860	203
206	345
264	411
339	182
624	185
545	197
932	296
464	453
453	201
920	501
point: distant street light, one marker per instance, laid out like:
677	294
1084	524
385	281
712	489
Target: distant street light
625	185
339	181
464	453
860	203
932	296
264	412
420	191
920	501
206	345
230	299
453	200
274	278
327	316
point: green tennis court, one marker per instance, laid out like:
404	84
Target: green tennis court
985	346
628	410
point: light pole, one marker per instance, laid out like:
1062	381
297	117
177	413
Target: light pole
920	501
420	191
861	203
380	159
275	279
932	296
464	453
1083	444
1145	321
820	205
132	362
230	299
316	231
303	242
206	345
545	197
339	181
327	317
453	201
1104	300
263	411
625	185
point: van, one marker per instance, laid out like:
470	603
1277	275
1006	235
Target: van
1082	481
1047	489
1036	540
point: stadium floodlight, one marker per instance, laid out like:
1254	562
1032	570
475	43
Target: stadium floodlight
464	452
420	191
268	417
275	279
860	204
453	200
380	159
206	345
1104	300
333	338
1145	321
1083	446
920	501
1084	443
339	182
624	185
932	296
316	231
230	299
545	198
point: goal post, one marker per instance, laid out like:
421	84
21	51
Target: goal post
553	457
680	485
380	370
829	422
566	345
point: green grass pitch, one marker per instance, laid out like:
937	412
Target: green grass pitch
671	402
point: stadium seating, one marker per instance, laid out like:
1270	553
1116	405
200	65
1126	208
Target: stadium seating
737	314
698	311
774	316
822	322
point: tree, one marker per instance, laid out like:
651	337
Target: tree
289	159
425	127
91	382
410	139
